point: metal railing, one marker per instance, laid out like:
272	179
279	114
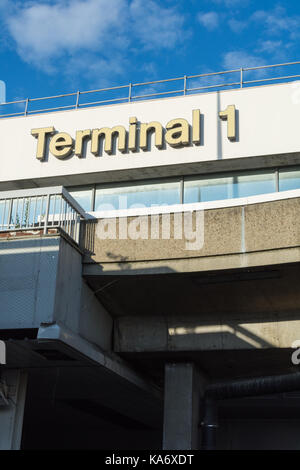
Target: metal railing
41	209
186	85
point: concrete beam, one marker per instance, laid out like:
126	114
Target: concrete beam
198	264
259	331
111	362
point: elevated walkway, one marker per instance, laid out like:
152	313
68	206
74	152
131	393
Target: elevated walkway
94	323
56	331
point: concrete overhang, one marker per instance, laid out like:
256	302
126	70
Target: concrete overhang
255	162
233	302
258	231
87	373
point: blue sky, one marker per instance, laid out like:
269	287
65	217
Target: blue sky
50	47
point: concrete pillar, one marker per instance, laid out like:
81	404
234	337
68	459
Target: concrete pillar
13	384
184	387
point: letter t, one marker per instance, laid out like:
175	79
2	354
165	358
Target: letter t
41	133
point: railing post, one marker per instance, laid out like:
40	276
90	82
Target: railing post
9	214
129	92
184	85
241	72
26	107
47	215
77	99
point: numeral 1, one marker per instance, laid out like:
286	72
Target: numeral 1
229	115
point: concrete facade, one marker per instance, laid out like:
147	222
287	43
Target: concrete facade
255	233
113	342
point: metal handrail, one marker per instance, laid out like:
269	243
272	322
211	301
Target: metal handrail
41	209
129	97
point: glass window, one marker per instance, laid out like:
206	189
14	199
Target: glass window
126	196
253	184
207	189
196	189
83	196
289	179
226	187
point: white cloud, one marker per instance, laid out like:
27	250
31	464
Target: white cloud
4	4
44	31
209	20
154	25
232	3
93	36
237	59
236	25
276	21
99	71
270	46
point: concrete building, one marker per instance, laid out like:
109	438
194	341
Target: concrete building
149	261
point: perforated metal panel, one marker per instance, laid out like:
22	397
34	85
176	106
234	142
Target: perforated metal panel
28	270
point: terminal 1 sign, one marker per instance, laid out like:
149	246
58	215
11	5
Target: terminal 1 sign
177	133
